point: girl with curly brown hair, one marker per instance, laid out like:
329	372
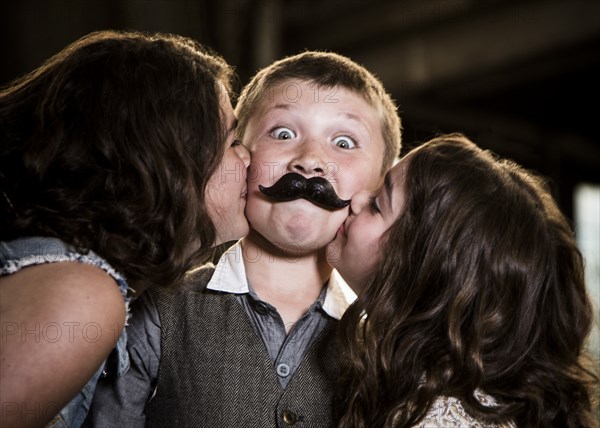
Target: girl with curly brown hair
119	170
472	308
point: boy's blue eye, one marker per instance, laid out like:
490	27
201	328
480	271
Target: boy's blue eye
344	142
283	133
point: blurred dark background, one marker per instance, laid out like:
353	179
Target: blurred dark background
519	78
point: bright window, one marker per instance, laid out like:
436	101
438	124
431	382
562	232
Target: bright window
587	231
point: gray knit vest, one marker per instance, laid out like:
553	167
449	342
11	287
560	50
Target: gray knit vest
215	371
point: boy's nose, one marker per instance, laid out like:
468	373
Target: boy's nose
310	161
309	168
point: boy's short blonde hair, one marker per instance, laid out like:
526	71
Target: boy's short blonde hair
328	70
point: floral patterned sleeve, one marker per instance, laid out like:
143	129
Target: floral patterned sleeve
448	412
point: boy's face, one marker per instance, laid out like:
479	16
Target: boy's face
299	127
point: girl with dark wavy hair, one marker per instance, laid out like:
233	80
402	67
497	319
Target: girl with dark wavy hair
472	308
118	170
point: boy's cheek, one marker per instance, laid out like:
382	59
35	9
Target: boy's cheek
347	185
358	178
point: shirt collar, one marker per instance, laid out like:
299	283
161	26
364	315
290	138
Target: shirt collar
339	296
230	277
230	273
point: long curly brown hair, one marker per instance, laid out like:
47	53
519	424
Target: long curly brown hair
481	287
109	146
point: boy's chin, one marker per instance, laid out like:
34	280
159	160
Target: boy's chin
302	241
293	241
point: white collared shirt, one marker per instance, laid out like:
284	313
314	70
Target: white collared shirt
230	277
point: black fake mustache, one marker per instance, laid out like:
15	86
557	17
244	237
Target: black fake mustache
294	186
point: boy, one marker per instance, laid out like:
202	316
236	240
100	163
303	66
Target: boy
252	341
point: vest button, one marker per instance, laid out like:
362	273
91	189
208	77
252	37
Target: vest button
283	370
289	417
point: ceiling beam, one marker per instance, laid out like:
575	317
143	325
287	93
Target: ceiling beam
441	41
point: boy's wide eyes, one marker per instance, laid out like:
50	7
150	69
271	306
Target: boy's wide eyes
344	142
283	133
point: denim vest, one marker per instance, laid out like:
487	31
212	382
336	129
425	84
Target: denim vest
23	252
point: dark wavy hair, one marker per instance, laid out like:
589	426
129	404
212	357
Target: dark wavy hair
326	70
109	146
480	287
